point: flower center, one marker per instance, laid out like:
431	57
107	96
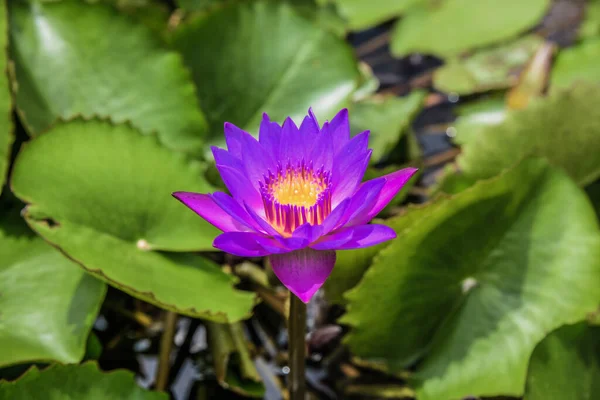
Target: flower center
296	195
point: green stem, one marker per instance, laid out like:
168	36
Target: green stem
297	348
166	344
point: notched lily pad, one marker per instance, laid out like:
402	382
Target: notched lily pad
253	57
102	194
67	63
471	283
32	271
451	27
488	69
81	382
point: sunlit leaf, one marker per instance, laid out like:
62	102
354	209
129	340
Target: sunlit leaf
576	64
566	365
253	57
362	14
450	27
81	382
102	194
487	69
563	128
590	27
471	283
474	118
48	304
387	118
68	63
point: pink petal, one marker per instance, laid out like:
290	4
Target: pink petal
304	271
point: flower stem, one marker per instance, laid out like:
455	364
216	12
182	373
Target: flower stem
297	348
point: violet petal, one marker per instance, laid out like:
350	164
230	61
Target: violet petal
223	157
269	135
233	139
339	128
257	161
240	188
393	183
242	244
304	271
350	166
362	202
205	206
321	154
290	143
361	236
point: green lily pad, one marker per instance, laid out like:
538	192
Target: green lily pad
361	14
576	64
350	266
253	57
196	5
387	118
487	69
566	365
474	118
368	83
590	27
593	192
102	194
470	283
450	27
81	382
563	128
234	367
6	124
32	271
155	15
67	63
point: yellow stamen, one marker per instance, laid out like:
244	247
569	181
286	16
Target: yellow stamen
297	190
295	196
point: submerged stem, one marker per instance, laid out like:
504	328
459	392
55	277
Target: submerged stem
297	348
166	344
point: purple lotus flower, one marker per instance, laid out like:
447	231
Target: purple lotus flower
297	196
